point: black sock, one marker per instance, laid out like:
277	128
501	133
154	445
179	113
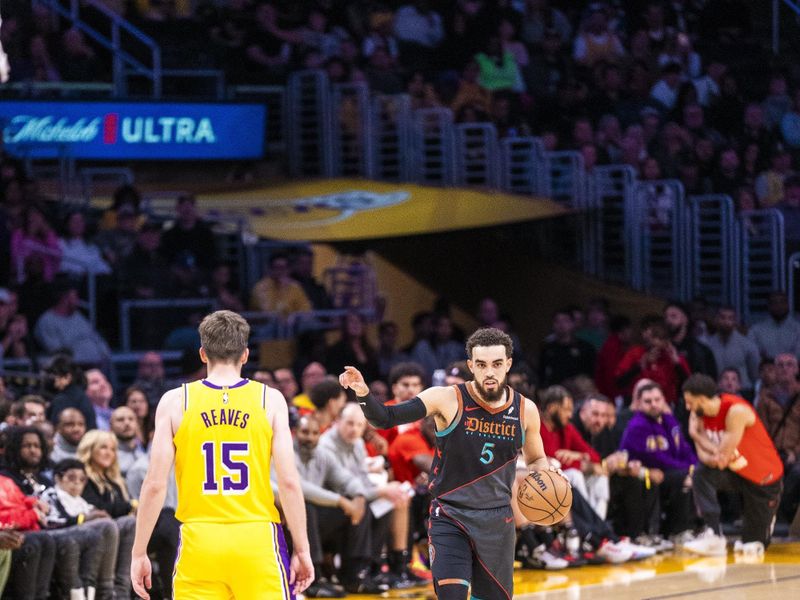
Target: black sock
398	559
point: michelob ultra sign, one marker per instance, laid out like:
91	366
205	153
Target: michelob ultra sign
133	130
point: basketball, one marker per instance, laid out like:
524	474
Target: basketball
544	497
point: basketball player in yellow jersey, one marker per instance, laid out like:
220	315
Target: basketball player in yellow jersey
221	433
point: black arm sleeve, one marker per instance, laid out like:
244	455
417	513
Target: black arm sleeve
384	417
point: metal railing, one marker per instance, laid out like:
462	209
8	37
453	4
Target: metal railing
432	146
792	270
127	306
476	155
352	130
391	131
309	112
126	42
762	258
274	98
615	224
661	249
713	250
523	166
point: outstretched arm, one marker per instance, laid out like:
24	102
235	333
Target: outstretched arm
380	416
154	489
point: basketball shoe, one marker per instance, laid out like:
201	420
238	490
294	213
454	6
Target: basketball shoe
707	543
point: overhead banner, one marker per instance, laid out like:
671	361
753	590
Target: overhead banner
356	209
133	130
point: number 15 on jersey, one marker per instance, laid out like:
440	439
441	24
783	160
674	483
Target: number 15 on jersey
236	479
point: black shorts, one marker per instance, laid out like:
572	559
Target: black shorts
473	547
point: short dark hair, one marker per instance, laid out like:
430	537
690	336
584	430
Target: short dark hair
67	464
324	392
489	336
555	394
406	369
647	387
618	323
700	385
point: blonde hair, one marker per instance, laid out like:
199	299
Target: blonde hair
101	478
224	335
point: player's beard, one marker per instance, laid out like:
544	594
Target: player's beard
492	395
699	412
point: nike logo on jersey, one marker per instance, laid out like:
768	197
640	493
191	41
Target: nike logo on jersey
363	403
471	408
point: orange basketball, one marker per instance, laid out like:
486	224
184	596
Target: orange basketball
544	497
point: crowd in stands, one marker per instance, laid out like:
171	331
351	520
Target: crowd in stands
613	417
674	89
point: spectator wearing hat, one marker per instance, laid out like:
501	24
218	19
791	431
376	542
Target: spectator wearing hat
189	235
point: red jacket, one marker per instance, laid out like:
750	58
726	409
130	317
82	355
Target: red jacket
567	439
608	358
664	372
16	509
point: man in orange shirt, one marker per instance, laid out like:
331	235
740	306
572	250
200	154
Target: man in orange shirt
736	454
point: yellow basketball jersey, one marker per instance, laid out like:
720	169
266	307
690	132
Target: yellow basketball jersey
223	449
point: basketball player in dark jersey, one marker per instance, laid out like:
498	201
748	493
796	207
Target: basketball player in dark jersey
480	428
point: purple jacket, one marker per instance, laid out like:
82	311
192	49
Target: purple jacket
657	445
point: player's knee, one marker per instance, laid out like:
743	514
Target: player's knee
452	590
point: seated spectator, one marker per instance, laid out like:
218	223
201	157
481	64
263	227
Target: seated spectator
419	31
28	410
13	327
539	18
70	429
730	382
106	490
732	349
223	290
278	292
135	399
580	462
25	459
406	380
345	442
470	93
563	355
336	512
388	353
98	534
312	374
498	68
150	377
596	42
790	209
78	256
100	394
665	92
697	354
33	559
35	238
780	332
67	383
125	427
64	327
610	355
440	350
654	438
118	240
593	422
353	349
328	398
655	359
189	236
778	408
769	184
145	273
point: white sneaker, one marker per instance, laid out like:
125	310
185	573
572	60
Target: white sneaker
615	553
708	543
542	558
750	548
639	552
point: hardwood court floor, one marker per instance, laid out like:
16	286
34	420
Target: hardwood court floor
667	577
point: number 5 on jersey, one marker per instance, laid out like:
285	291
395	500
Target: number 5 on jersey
237	479
487	455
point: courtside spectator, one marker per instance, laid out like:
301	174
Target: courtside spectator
70	428
100	394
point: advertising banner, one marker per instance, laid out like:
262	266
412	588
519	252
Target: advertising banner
133	130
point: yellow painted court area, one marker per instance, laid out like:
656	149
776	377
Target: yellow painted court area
776	576
357	209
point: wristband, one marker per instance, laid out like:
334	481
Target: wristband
81	518
647	479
